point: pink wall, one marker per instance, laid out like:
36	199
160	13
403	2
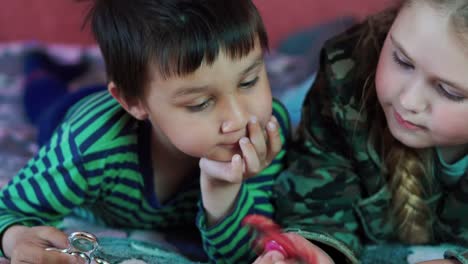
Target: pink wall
43	20
60	20
285	16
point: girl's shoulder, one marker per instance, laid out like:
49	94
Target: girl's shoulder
338	87
339	59
333	107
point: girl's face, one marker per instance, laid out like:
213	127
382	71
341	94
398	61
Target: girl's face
422	79
206	113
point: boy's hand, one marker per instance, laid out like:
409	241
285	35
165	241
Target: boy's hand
27	245
221	181
275	257
261	148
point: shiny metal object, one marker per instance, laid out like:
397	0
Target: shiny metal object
84	245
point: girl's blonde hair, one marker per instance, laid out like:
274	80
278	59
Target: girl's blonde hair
408	171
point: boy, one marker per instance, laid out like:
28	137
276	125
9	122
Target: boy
184	135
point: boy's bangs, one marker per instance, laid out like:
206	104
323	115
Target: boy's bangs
184	52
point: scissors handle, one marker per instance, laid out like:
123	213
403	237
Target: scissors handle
82	244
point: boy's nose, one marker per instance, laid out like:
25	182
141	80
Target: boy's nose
235	118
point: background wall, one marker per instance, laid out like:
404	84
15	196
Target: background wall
60	21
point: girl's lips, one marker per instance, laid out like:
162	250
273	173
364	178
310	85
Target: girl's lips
402	122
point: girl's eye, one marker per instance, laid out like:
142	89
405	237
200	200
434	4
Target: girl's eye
401	62
451	96
199	107
246	85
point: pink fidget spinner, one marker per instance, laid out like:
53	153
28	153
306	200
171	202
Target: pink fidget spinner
272	238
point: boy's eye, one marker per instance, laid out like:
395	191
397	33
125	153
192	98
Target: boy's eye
449	95
199	107
402	63
249	84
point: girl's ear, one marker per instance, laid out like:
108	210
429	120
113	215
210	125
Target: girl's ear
133	106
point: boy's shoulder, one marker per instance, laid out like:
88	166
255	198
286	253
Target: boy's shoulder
282	115
87	104
98	120
279	110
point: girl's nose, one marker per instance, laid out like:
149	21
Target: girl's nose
412	97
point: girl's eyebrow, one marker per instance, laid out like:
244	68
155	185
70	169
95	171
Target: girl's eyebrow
443	80
400	47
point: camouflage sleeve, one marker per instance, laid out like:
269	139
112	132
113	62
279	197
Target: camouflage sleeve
460	256
315	195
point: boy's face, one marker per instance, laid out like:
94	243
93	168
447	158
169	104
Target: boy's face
422	80
204	114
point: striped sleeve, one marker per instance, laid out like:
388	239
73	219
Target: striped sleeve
228	241
47	188
66	172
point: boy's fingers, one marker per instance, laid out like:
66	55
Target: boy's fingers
55	237
257	138
40	255
274	256
251	159
225	171
270	257
274	139
237	168
58	257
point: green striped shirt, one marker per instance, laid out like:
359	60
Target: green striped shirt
99	159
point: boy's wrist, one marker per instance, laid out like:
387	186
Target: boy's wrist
218	198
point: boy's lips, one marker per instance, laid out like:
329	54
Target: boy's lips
232	141
231	145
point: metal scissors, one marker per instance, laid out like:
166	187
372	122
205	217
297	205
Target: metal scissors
84	245
272	238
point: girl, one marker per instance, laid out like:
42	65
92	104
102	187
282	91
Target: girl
381	153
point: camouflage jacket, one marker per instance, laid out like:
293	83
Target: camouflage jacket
333	192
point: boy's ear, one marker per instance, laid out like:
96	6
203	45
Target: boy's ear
133	106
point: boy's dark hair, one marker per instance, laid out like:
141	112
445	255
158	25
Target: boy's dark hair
170	37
